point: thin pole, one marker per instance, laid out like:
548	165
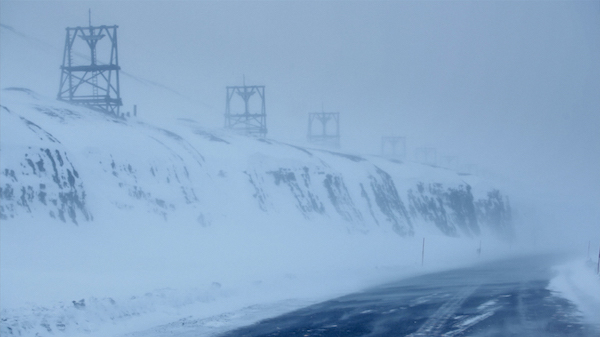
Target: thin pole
337	128
423	253
598	268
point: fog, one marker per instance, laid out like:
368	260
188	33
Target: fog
512	89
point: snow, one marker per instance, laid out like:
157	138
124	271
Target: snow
225	296
486	304
467	323
136	264
578	282
177	243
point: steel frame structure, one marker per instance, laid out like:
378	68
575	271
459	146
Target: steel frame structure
248	122
95	85
426	155
391	143
449	162
323	138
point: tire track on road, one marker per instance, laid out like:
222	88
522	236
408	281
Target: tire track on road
433	326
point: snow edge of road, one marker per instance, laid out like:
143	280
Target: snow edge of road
578	282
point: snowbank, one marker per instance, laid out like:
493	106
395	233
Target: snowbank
578	282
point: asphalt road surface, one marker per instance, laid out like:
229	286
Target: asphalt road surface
505	298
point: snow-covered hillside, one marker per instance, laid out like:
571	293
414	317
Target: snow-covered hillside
75	165
99	208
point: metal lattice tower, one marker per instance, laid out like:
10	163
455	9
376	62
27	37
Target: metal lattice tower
95	85
322	136
450	162
426	155
248	122
394	147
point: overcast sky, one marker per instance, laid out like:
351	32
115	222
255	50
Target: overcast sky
510	86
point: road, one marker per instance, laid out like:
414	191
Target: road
503	298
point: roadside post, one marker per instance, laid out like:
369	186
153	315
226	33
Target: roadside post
423	253
598	267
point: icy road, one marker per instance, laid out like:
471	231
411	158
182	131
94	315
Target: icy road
507	298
